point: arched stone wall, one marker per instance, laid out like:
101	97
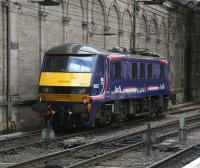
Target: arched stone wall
75	26
163	39
141	35
181	37
113	26
127	30
153	35
97	24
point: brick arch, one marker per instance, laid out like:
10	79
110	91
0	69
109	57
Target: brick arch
142	14
116	6
126	38
75	27
113	25
163	38
127	10
98	22
154	21
103	5
83	6
142	31
172	30
153	34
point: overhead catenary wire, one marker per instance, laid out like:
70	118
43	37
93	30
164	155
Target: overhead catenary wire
91	11
113	29
78	16
84	8
71	24
153	37
179	34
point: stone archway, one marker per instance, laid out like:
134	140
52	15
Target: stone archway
97	25
75	25
113	26
127	30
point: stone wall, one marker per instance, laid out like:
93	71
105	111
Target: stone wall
194	69
102	23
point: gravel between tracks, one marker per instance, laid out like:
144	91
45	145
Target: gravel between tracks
138	160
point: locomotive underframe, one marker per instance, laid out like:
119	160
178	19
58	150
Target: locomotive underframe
121	110
80	114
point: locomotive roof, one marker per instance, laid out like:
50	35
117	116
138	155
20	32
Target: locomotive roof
72	48
136	56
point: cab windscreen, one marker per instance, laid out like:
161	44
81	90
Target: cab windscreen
60	63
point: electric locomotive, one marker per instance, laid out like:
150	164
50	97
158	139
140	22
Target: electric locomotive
80	86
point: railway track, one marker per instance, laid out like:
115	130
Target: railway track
180	158
15	145
126	147
100	150
186	107
177	106
10	142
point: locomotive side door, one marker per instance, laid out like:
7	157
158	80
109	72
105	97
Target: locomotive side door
115	76
99	78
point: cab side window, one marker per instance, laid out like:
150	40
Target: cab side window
117	72
142	71
149	71
134	70
162	71
100	66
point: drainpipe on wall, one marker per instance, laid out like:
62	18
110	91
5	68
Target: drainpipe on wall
8	70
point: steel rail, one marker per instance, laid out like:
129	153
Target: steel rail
168	159
184	110
69	152
38	143
7	137
41	142
120	151
177	106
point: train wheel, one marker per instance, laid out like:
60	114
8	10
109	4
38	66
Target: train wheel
160	111
85	118
56	121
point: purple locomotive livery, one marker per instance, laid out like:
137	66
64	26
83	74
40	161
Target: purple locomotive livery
80	86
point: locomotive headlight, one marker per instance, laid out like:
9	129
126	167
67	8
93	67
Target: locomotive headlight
81	90
45	90
78	90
